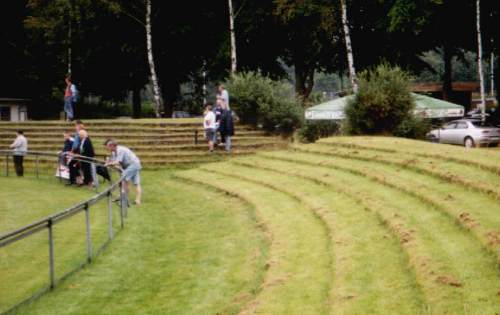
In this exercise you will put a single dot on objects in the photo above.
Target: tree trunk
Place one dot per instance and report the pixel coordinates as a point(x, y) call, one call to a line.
point(447, 78)
point(304, 80)
point(492, 75)
point(154, 78)
point(70, 35)
point(233, 37)
point(350, 57)
point(136, 102)
point(480, 60)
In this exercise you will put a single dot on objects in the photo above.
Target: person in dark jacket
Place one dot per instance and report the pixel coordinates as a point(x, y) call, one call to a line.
point(68, 145)
point(86, 150)
point(226, 126)
point(74, 165)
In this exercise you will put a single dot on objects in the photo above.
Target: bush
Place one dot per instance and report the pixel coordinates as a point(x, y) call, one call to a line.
point(259, 100)
point(382, 103)
point(313, 130)
point(413, 127)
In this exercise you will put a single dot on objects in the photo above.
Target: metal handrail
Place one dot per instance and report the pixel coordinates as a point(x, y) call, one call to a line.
point(49, 221)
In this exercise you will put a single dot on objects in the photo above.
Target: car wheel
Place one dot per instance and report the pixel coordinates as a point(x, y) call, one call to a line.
point(469, 142)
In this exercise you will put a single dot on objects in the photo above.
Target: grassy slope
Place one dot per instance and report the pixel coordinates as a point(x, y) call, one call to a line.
point(185, 250)
point(346, 226)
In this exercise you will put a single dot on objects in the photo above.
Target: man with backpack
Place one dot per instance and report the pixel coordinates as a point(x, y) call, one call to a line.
point(70, 98)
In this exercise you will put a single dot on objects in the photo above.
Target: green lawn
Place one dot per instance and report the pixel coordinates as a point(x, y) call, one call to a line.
point(350, 225)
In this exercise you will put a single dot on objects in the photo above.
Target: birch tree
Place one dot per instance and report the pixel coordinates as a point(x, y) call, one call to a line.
point(480, 60)
point(347, 36)
point(152, 70)
point(233, 38)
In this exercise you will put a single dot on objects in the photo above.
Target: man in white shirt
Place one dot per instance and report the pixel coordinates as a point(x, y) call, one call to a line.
point(20, 147)
point(129, 162)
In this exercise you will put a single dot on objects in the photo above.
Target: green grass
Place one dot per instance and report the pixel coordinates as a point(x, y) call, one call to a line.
point(350, 225)
point(187, 249)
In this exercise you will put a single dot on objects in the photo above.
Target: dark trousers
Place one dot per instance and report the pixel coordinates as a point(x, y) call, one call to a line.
point(73, 171)
point(87, 174)
point(18, 164)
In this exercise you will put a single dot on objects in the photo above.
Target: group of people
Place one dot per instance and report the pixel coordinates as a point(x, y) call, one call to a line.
point(218, 119)
point(77, 155)
point(122, 157)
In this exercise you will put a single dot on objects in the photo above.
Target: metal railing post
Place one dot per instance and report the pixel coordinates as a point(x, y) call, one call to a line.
point(52, 273)
point(196, 136)
point(7, 165)
point(122, 203)
point(110, 217)
point(36, 166)
point(89, 241)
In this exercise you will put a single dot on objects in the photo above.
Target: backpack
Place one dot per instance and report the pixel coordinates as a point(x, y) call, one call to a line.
point(75, 94)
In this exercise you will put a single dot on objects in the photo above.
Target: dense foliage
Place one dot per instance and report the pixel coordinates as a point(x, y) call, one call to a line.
point(383, 102)
point(259, 100)
point(313, 130)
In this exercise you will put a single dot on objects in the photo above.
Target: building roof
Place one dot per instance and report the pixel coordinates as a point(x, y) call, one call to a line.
point(425, 106)
point(13, 101)
point(438, 87)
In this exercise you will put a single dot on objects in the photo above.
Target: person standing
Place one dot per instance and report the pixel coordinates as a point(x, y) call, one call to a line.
point(86, 150)
point(226, 127)
point(19, 148)
point(69, 98)
point(209, 126)
point(223, 94)
point(130, 164)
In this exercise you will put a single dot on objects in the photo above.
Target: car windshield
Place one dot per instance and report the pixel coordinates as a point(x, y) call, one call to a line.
point(480, 124)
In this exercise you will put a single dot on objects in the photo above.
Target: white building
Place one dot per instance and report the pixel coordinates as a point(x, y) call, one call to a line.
point(13, 109)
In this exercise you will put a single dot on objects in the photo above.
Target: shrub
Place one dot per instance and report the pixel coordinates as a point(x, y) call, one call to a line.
point(382, 103)
point(313, 130)
point(413, 127)
point(259, 100)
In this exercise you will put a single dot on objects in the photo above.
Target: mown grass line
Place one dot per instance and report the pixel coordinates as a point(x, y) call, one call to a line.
point(452, 178)
point(449, 168)
point(295, 282)
point(406, 150)
point(260, 224)
point(449, 279)
point(387, 292)
point(222, 169)
point(484, 237)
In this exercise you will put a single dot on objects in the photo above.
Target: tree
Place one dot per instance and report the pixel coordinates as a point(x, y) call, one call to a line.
point(347, 36)
point(480, 59)
point(307, 28)
point(233, 37)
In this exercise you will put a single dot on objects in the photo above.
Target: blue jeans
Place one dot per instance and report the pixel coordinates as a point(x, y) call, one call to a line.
point(228, 143)
point(68, 107)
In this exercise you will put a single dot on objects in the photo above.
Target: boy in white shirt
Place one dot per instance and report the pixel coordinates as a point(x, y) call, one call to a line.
point(209, 126)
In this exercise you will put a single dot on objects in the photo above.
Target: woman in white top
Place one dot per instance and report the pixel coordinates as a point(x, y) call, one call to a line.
point(209, 126)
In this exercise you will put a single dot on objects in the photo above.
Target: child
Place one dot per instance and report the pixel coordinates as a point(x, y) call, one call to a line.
point(209, 126)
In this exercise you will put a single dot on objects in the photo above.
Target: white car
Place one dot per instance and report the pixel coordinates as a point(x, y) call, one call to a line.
point(466, 132)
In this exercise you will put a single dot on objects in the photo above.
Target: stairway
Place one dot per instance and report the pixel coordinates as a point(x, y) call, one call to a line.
point(156, 142)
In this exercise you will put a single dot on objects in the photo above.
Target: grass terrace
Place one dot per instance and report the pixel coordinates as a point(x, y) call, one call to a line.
point(349, 225)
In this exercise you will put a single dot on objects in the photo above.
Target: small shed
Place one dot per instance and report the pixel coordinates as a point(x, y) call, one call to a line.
point(13, 109)
point(461, 92)
point(425, 106)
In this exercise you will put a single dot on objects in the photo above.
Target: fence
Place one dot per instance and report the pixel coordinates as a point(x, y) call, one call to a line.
point(40, 162)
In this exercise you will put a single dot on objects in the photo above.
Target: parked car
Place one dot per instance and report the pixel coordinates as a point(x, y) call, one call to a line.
point(466, 132)
point(180, 114)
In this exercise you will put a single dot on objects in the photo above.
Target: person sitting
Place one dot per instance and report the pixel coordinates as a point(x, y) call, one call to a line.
point(73, 164)
point(68, 145)
point(86, 150)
